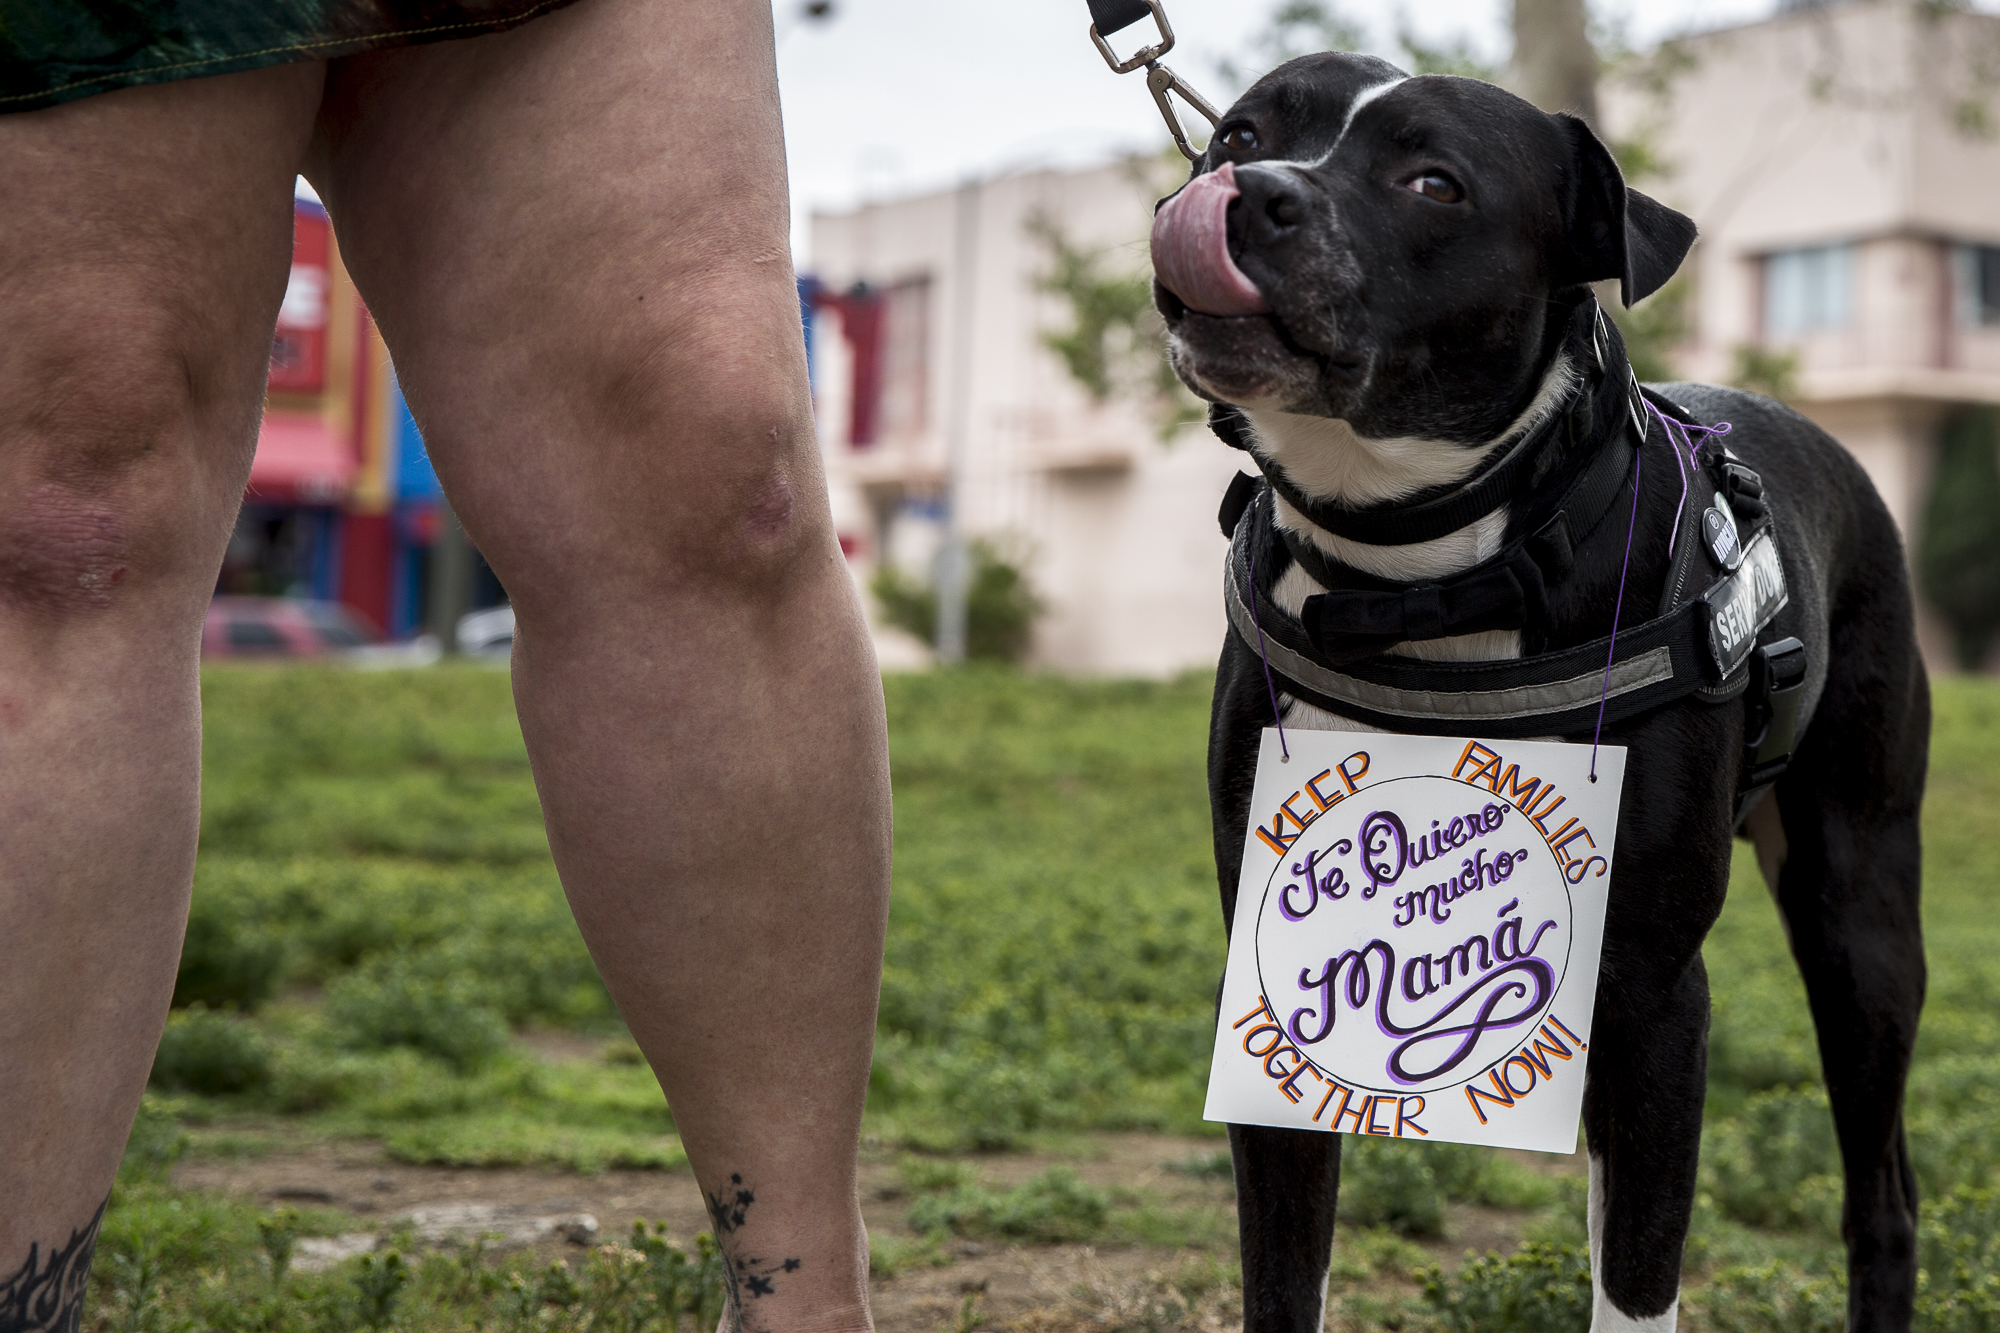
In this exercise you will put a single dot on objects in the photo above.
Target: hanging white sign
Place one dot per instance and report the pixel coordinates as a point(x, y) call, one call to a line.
point(1416, 940)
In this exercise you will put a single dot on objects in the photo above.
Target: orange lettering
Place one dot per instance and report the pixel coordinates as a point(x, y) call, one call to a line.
point(1567, 1033)
point(1501, 1095)
point(1488, 766)
point(1263, 1007)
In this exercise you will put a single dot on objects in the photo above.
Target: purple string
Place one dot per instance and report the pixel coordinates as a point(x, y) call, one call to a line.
point(1680, 435)
point(1616, 611)
point(1278, 717)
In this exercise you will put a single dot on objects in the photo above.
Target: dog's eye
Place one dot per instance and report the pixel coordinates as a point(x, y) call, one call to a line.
point(1241, 138)
point(1432, 185)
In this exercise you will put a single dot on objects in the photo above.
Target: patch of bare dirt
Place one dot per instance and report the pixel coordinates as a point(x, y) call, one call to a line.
point(1034, 1288)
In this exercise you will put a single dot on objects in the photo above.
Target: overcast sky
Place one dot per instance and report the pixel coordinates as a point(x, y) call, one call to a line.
point(892, 97)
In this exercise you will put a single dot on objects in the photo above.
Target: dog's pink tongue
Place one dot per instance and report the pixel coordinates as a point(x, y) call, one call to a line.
point(1191, 248)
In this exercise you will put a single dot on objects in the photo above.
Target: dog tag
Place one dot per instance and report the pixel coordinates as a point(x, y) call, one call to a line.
point(1415, 948)
point(1718, 525)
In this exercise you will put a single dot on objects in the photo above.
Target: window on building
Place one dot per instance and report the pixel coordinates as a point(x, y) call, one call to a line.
point(1978, 284)
point(888, 333)
point(906, 343)
point(1808, 289)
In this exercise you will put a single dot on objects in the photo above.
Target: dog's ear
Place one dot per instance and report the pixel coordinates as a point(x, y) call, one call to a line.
point(1615, 232)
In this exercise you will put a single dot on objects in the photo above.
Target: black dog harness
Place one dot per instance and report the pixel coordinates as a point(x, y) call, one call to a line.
point(1724, 586)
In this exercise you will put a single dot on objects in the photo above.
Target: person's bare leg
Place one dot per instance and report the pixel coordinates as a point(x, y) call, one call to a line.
point(144, 242)
point(574, 236)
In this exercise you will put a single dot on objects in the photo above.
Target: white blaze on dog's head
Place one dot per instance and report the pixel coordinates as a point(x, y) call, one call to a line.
point(1361, 99)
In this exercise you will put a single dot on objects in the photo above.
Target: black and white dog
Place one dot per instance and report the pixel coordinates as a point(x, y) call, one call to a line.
point(1381, 282)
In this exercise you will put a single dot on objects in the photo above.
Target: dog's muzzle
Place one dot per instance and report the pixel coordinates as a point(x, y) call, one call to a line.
point(1191, 248)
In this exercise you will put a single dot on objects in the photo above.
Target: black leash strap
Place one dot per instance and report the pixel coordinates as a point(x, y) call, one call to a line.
point(1111, 16)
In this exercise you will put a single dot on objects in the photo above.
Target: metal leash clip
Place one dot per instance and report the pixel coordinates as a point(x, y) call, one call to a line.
point(1159, 79)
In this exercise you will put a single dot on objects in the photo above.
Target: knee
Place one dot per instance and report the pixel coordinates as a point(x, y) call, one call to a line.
point(62, 551)
point(712, 487)
point(96, 439)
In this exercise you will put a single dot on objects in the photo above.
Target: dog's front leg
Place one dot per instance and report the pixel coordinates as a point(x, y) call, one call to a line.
point(1286, 1181)
point(1642, 1120)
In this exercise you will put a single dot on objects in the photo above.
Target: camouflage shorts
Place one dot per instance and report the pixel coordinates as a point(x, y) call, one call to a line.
point(57, 51)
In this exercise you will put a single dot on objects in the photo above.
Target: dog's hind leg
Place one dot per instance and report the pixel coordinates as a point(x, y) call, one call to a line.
point(1848, 889)
point(1286, 1181)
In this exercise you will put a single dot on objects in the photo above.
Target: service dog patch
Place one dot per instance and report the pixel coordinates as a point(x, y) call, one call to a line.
point(1416, 941)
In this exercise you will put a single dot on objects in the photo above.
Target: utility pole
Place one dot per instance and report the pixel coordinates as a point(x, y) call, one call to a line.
point(451, 578)
point(954, 567)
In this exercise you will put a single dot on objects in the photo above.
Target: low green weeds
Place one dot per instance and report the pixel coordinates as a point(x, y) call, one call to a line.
point(1772, 1297)
point(1056, 1206)
point(1407, 1186)
point(243, 1282)
point(212, 1053)
point(376, 917)
point(1537, 1289)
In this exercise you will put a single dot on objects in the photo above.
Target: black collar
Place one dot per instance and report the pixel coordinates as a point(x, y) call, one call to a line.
point(1590, 410)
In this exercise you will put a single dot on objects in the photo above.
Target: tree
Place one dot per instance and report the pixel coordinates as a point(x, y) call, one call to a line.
point(1454, 55)
point(1302, 27)
point(1295, 28)
point(1765, 370)
point(1114, 344)
point(1653, 328)
point(1000, 606)
point(1555, 66)
point(1958, 553)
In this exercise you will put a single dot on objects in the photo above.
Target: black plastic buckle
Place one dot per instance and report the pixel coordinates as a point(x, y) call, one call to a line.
point(1242, 490)
point(1746, 490)
point(1777, 680)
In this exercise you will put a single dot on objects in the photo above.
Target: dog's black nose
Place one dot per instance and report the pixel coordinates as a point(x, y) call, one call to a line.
point(1273, 206)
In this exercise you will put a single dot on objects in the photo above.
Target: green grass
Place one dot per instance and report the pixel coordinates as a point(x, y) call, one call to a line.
point(375, 912)
point(375, 894)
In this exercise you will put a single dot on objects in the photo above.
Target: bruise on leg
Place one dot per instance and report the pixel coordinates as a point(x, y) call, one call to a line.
point(769, 515)
point(61, 552)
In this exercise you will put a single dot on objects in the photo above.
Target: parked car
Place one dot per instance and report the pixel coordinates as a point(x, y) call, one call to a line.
point(488, 633)
point(282, 627)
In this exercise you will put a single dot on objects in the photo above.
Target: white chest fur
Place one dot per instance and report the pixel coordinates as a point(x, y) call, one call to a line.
point(1327, 460)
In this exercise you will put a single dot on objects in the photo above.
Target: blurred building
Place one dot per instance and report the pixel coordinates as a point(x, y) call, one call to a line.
point(1843, 163)
point(1114, 526)
point(343, 504)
